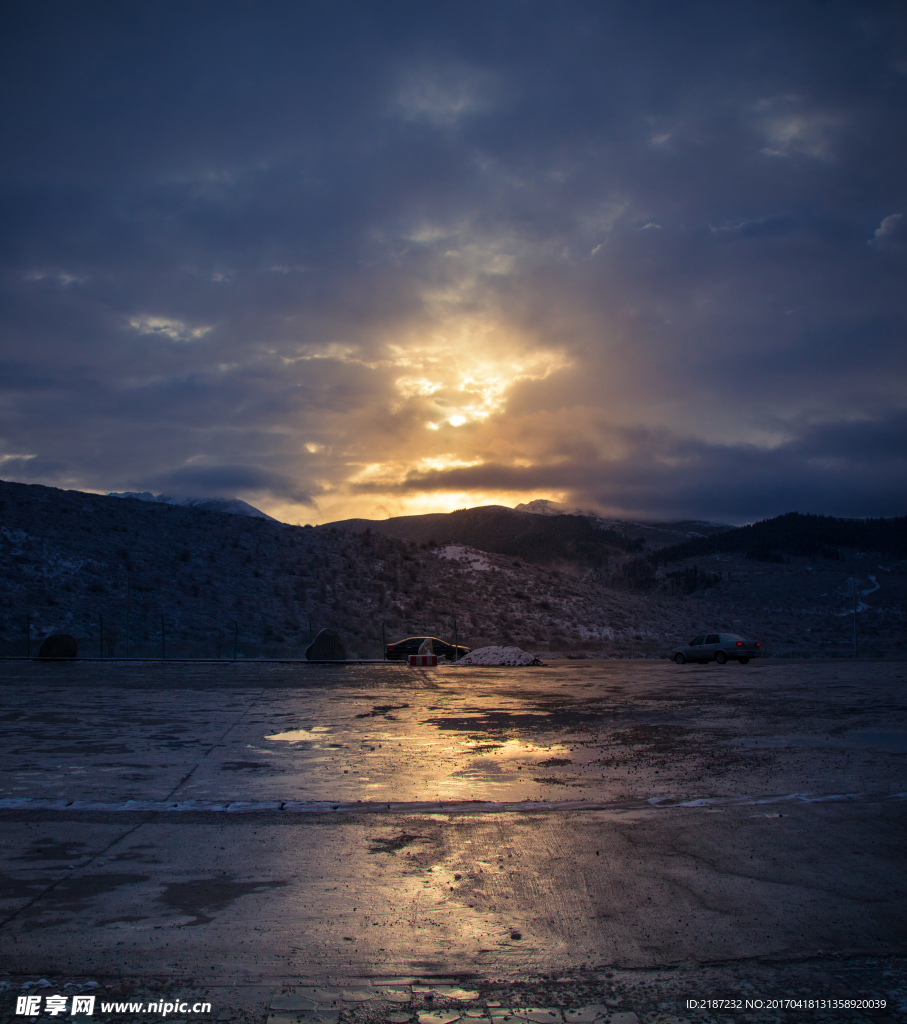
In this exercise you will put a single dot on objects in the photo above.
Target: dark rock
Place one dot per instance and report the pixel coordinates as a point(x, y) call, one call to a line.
point(327, 646)
point(59, 645)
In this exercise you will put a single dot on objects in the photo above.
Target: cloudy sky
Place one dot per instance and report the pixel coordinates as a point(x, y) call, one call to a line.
point(368, 259)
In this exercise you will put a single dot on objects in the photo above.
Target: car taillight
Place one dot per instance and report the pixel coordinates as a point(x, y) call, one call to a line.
point(758, 644)
point(739, 643)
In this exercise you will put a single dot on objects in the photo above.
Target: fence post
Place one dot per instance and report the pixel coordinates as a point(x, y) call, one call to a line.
point(28, 636)
point(456, 644)
point(163, 640)
point(127, 618)
point(101, 617)
point(383, 643)
point(853, 581)
point(235, 637)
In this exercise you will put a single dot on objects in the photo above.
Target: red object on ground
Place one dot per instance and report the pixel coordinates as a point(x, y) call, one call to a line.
point(415, 660)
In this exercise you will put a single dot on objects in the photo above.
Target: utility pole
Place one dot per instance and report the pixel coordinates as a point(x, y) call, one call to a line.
point(127, 617)
point(456, 644)
point(853, 582)
point(383, 643)
point(235, 638)
point(163, 640)
point(101, 617)
point(28, 636)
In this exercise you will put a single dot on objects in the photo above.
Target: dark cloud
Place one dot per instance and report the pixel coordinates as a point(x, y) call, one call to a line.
point(759, 228)
point(647, 255)
point(848, 469)
point(224, 481)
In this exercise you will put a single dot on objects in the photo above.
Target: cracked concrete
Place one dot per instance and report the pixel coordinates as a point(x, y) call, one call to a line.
point(644, 835)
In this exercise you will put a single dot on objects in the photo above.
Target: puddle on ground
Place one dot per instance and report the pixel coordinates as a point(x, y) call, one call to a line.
point(298, 735)
point(203, 897)
point(51, 849)
point(512, 748)
point(73, 895)
point(890, 742)
point(884, 741)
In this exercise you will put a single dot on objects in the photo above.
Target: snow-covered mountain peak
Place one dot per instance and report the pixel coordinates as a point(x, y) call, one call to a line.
point(231, 506)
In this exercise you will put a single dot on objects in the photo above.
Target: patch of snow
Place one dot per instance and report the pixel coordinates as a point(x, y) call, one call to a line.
point(468, 557)
point(499, 656)
point(861, 607)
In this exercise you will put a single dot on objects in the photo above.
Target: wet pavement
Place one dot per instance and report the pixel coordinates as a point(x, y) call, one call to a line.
point(559, 837)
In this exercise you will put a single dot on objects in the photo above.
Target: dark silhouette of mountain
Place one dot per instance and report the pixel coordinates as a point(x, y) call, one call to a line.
point(196, 580)
point(540, 539)
point(795, 534)
point(654, 534)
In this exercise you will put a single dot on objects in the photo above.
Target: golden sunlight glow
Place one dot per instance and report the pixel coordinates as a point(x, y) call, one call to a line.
point(334, 507)
point(440, 406)
point(393, 471)
point(466, 369)
point(445, 462)
point(410, 386)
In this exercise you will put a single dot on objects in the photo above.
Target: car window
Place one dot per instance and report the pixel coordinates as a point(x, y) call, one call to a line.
point(712, 638)
point(698, 640)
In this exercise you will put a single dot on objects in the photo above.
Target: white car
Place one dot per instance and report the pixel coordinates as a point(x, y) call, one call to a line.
point(720, 647)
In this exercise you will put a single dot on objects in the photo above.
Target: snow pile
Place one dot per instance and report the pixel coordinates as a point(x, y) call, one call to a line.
point(499, 656)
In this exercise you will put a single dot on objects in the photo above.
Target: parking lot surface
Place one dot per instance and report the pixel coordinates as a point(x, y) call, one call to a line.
point(601, 838)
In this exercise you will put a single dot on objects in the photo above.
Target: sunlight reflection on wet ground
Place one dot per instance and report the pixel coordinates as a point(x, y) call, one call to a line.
point(637, 813)
point(601, 732)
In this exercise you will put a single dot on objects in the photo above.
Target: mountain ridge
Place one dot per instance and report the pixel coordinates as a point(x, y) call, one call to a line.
point(543, 540)
point(229, 506)
point(200, 582)
point(541, 531)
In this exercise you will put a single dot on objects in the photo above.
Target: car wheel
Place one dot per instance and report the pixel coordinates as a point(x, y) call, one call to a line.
point(720, 657)
point(680, 659)
point(744, 661)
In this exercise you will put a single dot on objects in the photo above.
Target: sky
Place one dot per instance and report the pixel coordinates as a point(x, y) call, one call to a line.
point(389, 257)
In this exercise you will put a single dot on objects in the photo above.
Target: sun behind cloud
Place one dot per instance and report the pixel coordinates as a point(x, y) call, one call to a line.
point(451, 391)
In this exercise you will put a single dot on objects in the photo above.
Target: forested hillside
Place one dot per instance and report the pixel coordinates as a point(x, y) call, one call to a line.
point(195, 580)
point(543, 540)
point(798, 535)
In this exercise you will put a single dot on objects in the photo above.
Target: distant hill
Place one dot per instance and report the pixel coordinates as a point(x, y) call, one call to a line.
point(543, 532)
point(198, 581)
point(231, 506)
point(796, 534)
point(541, 539)
point(655, 534)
